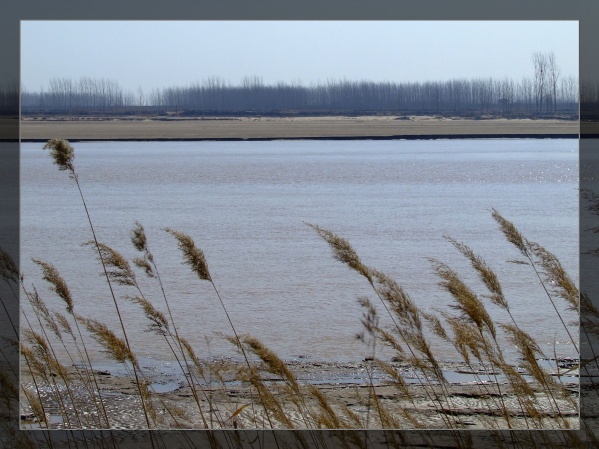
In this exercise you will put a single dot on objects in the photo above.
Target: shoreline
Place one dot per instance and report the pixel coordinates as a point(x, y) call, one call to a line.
point(36, 129)
point(271, 139)
point(345, 386)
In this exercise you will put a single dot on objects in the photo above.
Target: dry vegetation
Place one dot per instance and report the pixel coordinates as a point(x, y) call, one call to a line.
point(263, 391)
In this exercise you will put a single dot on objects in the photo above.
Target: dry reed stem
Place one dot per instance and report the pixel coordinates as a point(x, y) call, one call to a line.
point(148, 264)
point(60, 287)
point(411, 331)
point(555, 275)
point(36, 407)
point(528, 249)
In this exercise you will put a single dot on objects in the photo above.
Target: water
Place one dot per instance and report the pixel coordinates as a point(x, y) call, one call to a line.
point(246, 205)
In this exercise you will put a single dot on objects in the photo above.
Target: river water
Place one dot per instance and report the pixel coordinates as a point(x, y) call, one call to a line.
point(246, 205)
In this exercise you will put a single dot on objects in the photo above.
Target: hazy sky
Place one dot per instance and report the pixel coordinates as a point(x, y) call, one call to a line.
point(156, 54)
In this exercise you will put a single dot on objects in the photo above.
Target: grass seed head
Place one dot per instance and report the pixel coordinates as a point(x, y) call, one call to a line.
point(343, 251)
point(511, 233)
point(59, 285)
point(194, 256)
point(157, 318)
point(138, 237)
point(485, 273)
point(556, 276)
point(117, 267)
point(62, 152)
point(145, 265)
point(466, 300)
point(116, 347)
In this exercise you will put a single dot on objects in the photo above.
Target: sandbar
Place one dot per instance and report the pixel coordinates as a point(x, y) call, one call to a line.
point(269, 128)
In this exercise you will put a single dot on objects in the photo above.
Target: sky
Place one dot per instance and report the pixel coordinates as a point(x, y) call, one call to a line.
point(158, 54)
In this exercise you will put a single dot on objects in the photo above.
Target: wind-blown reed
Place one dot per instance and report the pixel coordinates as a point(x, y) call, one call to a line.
point(276, 397)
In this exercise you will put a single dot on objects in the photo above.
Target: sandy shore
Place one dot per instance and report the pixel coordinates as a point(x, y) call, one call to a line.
point(473, 399)
point(351, 127)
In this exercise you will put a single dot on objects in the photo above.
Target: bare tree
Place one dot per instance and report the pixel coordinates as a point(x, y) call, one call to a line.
point(554, 72)
point(540, 63)
point(526, 93)
point(569, 92)
point(140, 97)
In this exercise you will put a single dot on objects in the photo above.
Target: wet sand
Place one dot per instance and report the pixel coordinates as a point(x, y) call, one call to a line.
point(473, 399)
point(267, 128)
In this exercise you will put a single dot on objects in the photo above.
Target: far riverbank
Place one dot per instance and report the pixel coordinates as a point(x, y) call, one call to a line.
point(273, 128)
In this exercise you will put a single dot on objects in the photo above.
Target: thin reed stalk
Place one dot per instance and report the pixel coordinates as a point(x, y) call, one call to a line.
point(404, 311)
point(60, 287)
point(529, 250)
point(63, 154)
point(497, 297)
point(194, 257)
point(150, 267)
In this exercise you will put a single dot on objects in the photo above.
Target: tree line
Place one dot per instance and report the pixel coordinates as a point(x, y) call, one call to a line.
point(545, 92)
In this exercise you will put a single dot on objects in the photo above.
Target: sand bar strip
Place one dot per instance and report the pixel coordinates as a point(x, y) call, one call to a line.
point(248, 128)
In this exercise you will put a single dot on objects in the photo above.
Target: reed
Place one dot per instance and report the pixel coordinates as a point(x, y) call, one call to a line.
point(270, 395)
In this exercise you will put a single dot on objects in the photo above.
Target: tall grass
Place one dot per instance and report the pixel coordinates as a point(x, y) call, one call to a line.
point(267, 393)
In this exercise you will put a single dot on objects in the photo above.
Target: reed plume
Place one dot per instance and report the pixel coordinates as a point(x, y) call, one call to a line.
point(511, 233)
point(486, 274)
point(194, 256)
point(467, 301)
point(549, 262)
point(556, 276)
point(116, 348)
point(118, 268)
point(62, 153)
point(60, 287)
point(343, 251)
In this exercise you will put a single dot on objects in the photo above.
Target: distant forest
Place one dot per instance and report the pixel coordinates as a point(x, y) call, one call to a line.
point(478, 96)
point(545, 93)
